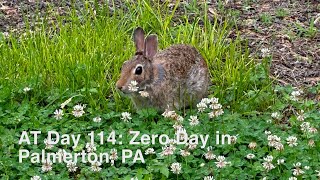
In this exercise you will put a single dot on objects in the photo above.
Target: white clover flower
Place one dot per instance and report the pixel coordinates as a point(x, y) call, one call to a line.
point(72, 166)
point(306, 167)
point(280, 161)
point(215, 106)
point(177, 125)
point(191, 146)
point(265, 52)
point(35, 178)
point(173, 115)
point(46, 166)
point(179, 119)
point(202, 106)
point(144, 93)
point(300, 115)
point(26, 89)
point(214, 100)
point(295, 95)
point(296, 165)
point(209, 155)
point(97, 119)
point(292, 141)
point(218, 113)
point(305, 126)
point(78, 110)
point(65, 103)
point(126, 117)
point(233, 139)
point(113, 154)
point(208, 178)
point(297, 171)
point(292, 178)
point(206, 100)
point(168, 114)
point(202, 164)
point(48, 146)
point(268, 166)
point(252, 145)
point(58, 113)
point(311, 143)
point(193, 120)
point(267, 132)
point(149, 151)
point(135, 178)
point(211, 114)
point(133, 86)
point(275, 115)
point(95, 166)
point(168, 150)
point(250, 156)
point(184, 153)
point(312, 130)
point(273, 140)
point(91, 147)
point(318, 171)
point(268, 158)
point(176, 168)
point(221, 163)
point(279, 146)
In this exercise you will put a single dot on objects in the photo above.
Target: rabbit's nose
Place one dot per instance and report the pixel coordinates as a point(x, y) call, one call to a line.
point(119, 87)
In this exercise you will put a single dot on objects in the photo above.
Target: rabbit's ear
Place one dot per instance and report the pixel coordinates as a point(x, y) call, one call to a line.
point(138, 38)
point(151, 46)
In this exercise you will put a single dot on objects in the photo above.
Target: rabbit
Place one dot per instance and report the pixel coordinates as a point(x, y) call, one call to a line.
point(171, 79)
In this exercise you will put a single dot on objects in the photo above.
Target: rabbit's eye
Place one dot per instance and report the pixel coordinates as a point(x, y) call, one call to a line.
point(138, 70)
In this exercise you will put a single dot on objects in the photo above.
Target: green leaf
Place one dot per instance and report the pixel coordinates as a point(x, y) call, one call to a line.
point(164, 170)
point(79, 148)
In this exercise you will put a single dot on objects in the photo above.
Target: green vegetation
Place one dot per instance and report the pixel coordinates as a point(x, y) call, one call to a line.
point(266, 19)
point(81, 60)
point(281, 12)
point(310, 31)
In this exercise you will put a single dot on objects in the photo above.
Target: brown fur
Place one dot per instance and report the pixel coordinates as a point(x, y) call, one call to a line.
point(174, 78)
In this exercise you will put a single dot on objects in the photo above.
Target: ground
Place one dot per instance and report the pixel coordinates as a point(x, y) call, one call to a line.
point(285, 28)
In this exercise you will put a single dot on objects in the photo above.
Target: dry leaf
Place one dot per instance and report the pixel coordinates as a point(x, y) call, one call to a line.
point(8, 10)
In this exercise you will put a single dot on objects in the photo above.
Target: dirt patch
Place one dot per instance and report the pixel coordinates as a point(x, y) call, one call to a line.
point(287, 31)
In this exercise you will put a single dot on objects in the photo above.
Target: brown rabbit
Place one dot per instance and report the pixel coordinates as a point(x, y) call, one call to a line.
point(171, 79)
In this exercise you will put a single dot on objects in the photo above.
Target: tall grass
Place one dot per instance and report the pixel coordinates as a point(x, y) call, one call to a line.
point(85, 55)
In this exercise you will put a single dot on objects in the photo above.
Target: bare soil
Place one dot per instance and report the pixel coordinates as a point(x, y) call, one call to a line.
point(288, 30)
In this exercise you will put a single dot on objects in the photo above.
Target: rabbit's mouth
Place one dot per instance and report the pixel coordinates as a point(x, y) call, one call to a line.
point(128, 92)
point(142, 89)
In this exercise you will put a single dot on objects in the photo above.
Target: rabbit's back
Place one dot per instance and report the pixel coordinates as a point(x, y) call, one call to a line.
point(185, 76)
point(179, 60)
